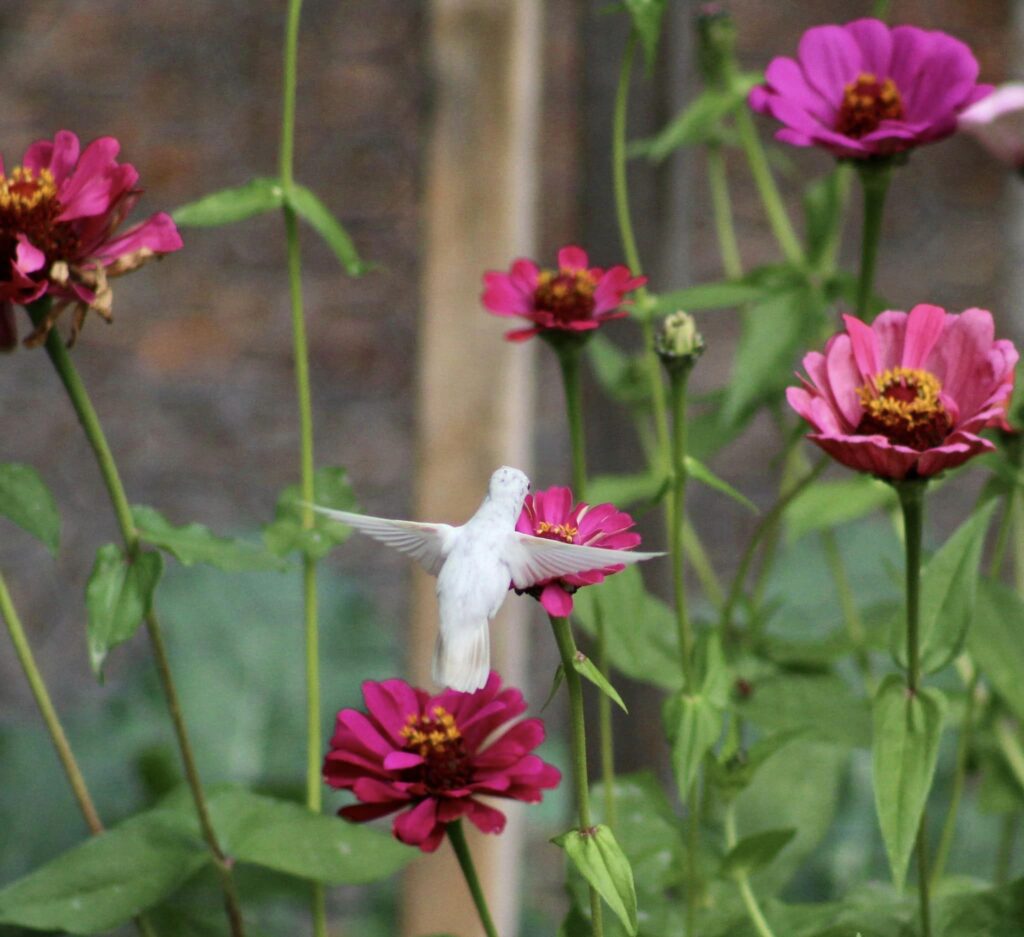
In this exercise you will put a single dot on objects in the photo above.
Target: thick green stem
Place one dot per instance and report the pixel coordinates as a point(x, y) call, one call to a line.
point(684, 627)
point(112, 480)
point(851, 615)
point(457, 837)
point(911, 495)
point(286, 169)
point(721, 207)
point(778, 218)
point(578, 735)
point(875, 179)
point(963, 751)
point(754, 912)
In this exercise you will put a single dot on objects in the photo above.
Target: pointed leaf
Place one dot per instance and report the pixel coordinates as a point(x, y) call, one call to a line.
point(693, 725)
point(995, 641)
point(586, 668)
point(25, 499)
point(732, 772)
point(601, 861)
point(194, 543)
point(754, 852)
point(118, 596)
point(825, 505)
point(712, 670)
point(556, 682)
point(905, 749)
point(722, 294)
point(108, 879)
point(312, 210)
point(640, 488)
point(823, 210)
point(622, 376)
point(948, 589)
point(255, 197)
point(698, 470)
point(286, 533)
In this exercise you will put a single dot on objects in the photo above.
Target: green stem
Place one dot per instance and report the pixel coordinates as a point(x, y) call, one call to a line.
point(875, 179)
point(1004, 855)
point(567, 651)
point(457, 837)
point(683, 626)
point(778, 218)
point(46, 709)
point(911, 495)
point(754, 912)
point(851, 615)
point(721, 206)
point(698, 559)
point(112, 480)
point(963, 751)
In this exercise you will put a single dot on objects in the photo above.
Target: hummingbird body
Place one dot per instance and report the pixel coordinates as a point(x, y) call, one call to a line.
point(475, 565)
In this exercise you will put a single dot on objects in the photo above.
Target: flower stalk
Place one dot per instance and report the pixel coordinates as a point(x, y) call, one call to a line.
point(567, 651)
point(87, 416)
point(457, 837)
point(750, 901)
point(875, 176)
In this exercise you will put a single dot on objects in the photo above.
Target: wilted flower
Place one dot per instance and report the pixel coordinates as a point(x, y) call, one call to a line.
point(550, 514)
point(59, 212)
point(906, 396)
point(864, 90)
point(432, 757)
point(574, 298)
point(997, 121)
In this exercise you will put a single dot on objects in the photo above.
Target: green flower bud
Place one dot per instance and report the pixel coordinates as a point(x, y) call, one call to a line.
point(678, 343)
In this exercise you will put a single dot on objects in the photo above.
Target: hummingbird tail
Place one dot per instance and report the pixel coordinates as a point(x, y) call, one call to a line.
point(462, 657)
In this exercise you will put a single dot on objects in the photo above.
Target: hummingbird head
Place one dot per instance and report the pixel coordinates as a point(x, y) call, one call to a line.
point(509, 485)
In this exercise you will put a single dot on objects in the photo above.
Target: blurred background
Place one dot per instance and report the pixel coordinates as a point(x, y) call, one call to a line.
point(195, 386)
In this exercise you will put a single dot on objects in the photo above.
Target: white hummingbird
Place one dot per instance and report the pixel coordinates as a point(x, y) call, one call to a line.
point(474, 565)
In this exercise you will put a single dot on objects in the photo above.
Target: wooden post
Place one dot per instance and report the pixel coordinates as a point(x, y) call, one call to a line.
point(475, 396)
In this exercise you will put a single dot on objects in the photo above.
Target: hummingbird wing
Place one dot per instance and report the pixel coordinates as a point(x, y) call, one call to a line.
point(428, 544)
point(534, 559)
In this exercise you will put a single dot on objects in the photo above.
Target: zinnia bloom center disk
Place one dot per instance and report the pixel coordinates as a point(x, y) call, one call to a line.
point(866, 103)
point(564, 532)
point(29, 206)
point(903, 404)
point(567, 294)
point(437, 740)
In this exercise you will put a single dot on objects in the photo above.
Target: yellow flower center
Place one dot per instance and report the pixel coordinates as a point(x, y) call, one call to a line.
point(29, 206)
point(426, 735)
point(866, 103)
point(566, 294)
point(564, 532)
point(904, 405)
point(24, 191)
point(437, 740)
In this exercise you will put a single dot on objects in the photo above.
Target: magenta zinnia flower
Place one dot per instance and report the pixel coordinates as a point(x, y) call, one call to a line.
point(997, 122)
point(432, 757)
point(59, 211)
point(574, 298)
point(550, 514)
point(864, 90)
point(906, 396)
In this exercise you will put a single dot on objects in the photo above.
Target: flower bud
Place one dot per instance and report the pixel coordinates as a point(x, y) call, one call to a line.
point(678, 343)
point(716, 44)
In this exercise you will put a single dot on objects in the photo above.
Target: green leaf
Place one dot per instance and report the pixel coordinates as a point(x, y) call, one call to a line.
point(289, 838)
point(699, 471)
point(754, 852)
point(312, 210)
point(994, 641)
point(118, 596)
point(286, 533)
point(948, 590)
point(556, 682)
point(623, 377)
point(645, 488)
point(25, 499)
point(255, 197)
point(586, 668)
point(733, 772)
point(640, 628)
point(108, 879)
point(601, 861)
point(906, 747)
point(647, 16)
point(723, 294)
point(823, 210)
point(996, 912)
point(825, 505)
point(701, 121)
point(693, 725)
point(194, 543)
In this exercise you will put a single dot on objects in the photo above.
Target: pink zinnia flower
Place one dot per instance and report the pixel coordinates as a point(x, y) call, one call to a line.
point(59, 211)
point(550, 514)
point(906, 396)
point(432, 757)
point(574, 298)
point(997, 122)
point(864, 90)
